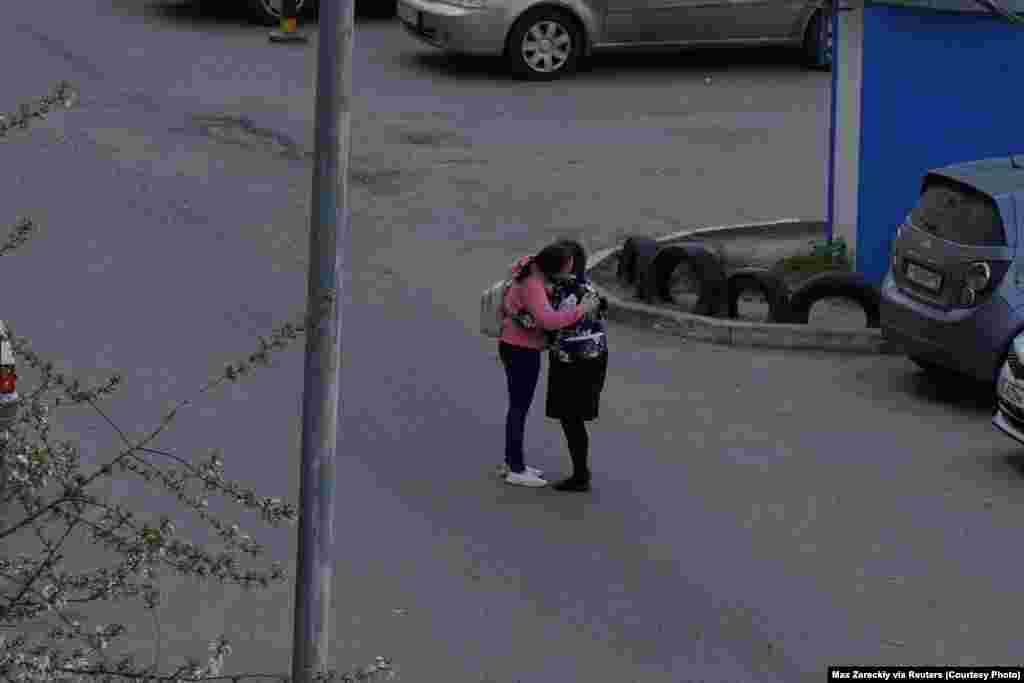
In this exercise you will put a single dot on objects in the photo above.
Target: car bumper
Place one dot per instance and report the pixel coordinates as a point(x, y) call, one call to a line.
point(969, 341)
point(1009, 415)
point(1012, 429)
point(454, 29)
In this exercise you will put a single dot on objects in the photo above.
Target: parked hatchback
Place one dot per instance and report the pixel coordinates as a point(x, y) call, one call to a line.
point(541, 39)
point(953, 296)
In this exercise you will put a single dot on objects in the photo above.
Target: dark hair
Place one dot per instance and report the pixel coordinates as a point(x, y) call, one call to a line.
point(579, 258)
point(550, 260)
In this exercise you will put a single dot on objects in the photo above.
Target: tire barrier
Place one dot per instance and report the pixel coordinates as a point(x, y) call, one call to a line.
point(771, 286)
point(636, 249)
point(835, 284)
point(706, 265)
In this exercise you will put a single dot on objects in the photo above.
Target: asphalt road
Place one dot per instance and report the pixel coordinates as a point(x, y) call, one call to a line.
point(757, 515)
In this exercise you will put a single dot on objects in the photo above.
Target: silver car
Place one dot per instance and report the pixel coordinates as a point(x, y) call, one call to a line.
point(545, 39)
point(1009, 415)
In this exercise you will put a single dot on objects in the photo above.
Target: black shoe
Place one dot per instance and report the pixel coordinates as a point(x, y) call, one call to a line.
point(572, 484)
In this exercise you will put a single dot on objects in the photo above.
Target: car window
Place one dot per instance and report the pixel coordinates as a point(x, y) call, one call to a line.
point(957, 214)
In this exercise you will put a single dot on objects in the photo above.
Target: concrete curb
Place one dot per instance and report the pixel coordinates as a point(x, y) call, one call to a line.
point(735, 332)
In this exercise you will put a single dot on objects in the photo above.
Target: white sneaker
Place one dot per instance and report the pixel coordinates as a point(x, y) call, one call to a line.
point(503, 470)
point(525, 479)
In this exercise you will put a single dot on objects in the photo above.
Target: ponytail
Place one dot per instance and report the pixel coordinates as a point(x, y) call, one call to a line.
point(525, 268)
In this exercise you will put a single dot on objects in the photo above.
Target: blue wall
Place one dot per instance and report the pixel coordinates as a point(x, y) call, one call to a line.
point(938, 88)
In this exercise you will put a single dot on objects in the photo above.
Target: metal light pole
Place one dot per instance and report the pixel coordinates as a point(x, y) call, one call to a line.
point(288, 31)
point(329, 228)
point(830, 220)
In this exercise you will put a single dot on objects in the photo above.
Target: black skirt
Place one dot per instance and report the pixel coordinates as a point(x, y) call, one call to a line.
point(574, 389)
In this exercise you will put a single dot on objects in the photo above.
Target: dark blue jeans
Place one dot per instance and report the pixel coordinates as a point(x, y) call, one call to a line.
point(522, 368)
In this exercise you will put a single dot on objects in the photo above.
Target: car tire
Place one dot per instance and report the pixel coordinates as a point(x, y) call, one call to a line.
point(268, 12)
point(768, 283)
point(706, 264)
point(637, 249)
point(835, 284)
point(544, 23)
point(819, 43)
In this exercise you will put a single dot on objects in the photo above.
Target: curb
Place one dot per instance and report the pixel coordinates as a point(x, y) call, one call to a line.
point(736, 332)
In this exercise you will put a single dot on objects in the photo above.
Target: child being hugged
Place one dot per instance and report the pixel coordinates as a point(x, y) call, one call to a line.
point(578, 356)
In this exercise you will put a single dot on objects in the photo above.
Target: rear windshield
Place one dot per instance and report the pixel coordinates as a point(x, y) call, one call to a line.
point(958, 214)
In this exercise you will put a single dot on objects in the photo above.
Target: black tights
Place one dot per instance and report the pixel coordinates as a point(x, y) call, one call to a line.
point(579, 443)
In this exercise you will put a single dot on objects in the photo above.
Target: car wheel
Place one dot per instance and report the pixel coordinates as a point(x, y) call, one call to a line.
point(268, 12)
point(544, 45)
point(769, 284)
point(819, 43)
point(708, 270)
point(839, 284)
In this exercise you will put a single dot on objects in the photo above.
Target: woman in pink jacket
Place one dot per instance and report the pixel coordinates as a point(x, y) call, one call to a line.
point(527, 315)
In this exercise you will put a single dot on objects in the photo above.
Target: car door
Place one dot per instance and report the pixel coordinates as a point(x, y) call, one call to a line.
point(764, 20)
point(664, 21)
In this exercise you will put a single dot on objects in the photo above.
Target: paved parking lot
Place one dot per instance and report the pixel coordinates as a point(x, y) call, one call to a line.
point(757, 514)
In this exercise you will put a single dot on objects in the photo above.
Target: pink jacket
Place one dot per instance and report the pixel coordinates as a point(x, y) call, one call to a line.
point(530, 296)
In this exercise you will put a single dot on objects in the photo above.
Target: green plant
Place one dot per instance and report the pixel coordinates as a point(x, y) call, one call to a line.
point(48, 496)
point(834, 250)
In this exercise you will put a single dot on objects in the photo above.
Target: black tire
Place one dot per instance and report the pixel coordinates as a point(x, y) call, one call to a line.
point(768, 283)
point(635, 250)
point(819, 43)
point(836, 284)
point(554, 24)
point(713, 283)
point(263, 12)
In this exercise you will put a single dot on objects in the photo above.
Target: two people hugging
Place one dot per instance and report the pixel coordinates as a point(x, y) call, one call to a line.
point(551, 305)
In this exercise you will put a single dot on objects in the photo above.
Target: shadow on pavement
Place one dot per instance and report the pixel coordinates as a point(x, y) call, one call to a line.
point(216, 14)
point(1015, 461)
point(614, 64)
point(195, 13)
point(966, 394)
point(770, 58)
point(460, 66)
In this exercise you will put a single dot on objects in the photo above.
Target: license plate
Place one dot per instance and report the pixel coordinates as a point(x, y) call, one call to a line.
point(408, 14)
point(923, 277)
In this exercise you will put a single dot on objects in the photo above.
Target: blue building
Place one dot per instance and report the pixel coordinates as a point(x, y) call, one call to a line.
point(918, 84)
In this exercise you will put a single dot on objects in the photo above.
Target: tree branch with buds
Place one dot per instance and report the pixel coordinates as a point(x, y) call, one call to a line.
point(48, 495)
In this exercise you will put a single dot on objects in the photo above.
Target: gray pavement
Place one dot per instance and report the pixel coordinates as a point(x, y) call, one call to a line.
point(757, 514)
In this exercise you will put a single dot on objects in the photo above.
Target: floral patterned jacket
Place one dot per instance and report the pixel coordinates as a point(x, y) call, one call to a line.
point(586, 339)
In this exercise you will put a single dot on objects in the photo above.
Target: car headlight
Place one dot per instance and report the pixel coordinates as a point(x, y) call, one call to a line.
point(979, 275)
point(1018, 346)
